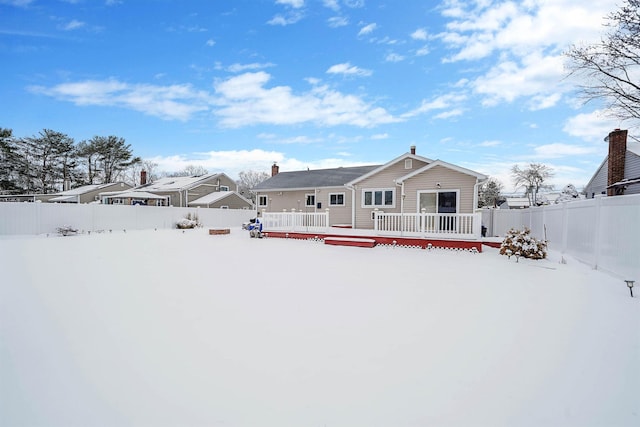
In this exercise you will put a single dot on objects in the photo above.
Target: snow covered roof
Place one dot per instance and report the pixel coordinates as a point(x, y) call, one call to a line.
point(134, 195)
point(88, 188)
point(176, 183)
point(216, 196)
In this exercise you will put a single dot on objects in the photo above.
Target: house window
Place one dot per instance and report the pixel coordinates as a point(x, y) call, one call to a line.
point(310, 200)
point(408, 163)
point(336, 199)
point(224, 188)
point(262, 200)
point(224, 207)
point(374, 198)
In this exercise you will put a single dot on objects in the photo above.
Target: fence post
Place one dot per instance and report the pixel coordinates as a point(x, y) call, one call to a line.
point(600, 228)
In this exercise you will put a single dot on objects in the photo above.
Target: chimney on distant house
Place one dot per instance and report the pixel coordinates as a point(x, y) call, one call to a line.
point(413, 149)
point(617, 153)
point(143, 177)
point(275, 169)
point(66, 185)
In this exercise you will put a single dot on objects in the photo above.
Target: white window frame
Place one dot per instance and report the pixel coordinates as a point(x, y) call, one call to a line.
point(224, 188)
point(408, 163)
point(224, 207)
point(456, 190)
point(310, 196)
point(375, 190)
point(259, 198)
point(337, 194)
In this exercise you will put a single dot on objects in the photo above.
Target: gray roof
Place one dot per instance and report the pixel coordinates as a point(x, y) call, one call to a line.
point(335, 177)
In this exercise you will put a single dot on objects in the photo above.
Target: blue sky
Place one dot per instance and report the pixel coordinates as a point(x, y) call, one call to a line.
point(238, 84)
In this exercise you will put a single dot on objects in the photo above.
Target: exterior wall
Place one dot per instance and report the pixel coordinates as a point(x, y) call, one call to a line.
point(383, 179)
point(287, 200)
point(598, 184)
point(632, 170)
point(232, 202)
point(449, 180)
point(93, 196)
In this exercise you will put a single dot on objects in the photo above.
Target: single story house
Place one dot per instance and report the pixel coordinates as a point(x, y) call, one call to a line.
point(173, 191)
point(222, 200)
point(407, 184)
point(619, 172)
point(84, 194)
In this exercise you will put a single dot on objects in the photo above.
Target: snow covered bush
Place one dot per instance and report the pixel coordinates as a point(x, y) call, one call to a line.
point(190, 221)
point(67, 230)
point(521, 244)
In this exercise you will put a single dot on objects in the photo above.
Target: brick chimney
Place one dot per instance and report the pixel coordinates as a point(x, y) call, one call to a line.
point(143, 177)
point(413, 149)
point(275, 169)
point(617, 152)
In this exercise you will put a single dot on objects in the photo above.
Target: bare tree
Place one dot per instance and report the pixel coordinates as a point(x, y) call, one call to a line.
point(612, 66)
point(532, 178)
point(190, 170)
point(249, 179)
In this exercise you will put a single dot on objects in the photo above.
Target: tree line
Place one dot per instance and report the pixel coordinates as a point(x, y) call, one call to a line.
point(51, 161)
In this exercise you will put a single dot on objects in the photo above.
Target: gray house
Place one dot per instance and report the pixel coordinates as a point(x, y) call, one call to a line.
point(85, 194)
point(173, 191)
point(619, 172)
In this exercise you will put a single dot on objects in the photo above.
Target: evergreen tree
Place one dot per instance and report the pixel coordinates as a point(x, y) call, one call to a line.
point(8, 162)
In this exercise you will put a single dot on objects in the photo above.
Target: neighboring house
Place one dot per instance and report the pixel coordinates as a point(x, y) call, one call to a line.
point(173, 191)
point(223, 200)
point(619, 172)
point(407, 184)
point(84, 194)
point(515, 203)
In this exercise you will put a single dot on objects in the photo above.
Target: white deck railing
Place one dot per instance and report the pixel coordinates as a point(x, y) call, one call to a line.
point(295, 221)
point(450, 226)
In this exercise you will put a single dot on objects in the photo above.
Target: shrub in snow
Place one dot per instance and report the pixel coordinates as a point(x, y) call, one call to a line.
point(521, 244)
point(190, 221)
point(67, 230)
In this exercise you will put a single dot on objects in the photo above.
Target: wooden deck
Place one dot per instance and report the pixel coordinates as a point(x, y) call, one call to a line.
point(409, 242)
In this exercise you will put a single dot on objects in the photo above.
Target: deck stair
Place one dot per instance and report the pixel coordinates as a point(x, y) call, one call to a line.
point(350, 241)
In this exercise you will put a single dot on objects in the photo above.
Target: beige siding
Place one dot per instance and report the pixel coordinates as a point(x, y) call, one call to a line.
point(295, 199)
point(448, 179)
point(92, 196)
point(384, 179)
point(232, 202)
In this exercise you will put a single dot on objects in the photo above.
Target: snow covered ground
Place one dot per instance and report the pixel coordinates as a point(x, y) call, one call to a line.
point(164, 328)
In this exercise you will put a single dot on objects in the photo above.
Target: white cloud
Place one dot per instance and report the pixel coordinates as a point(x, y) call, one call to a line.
point(441, 102)
point(331, 4)
point(211, 42)
point(244, 100)
point(290, 18)
point(380, 136)
point(238, 68)
point(537, 76)
point(593, 126)
point(73, 25)
point(348, 69)
point(456, 112)
point(423, 51)
point(367, 29)
point(292, 3)
point(337, 21)
point(490, 143)
point(18, 3)
point(556, 150)
point(394, 57)
point(419, 34)
point(525, 41)
point(174, 102)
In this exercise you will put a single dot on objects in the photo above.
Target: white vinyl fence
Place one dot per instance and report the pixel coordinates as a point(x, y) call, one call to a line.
point(42, 218)
point(296, 221)
point(603, 232)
